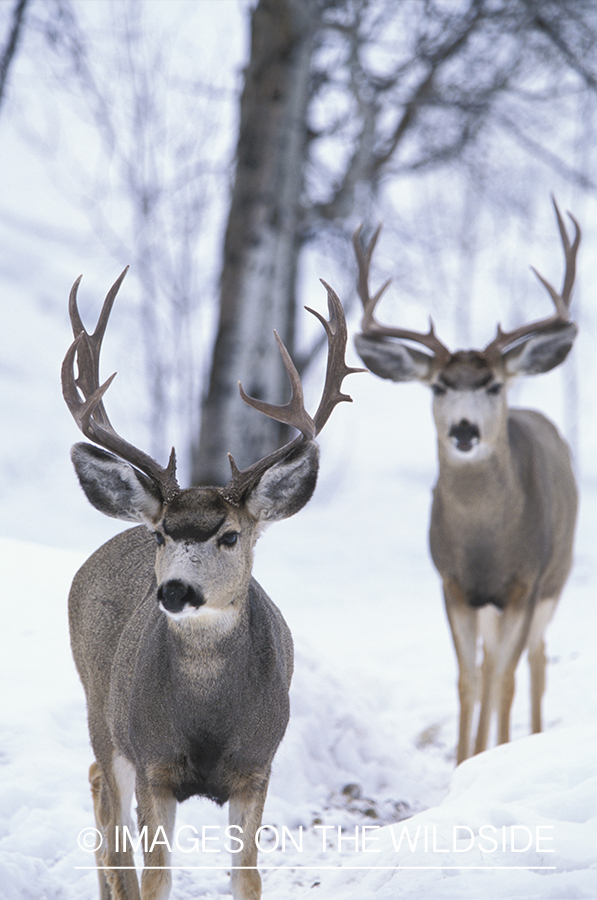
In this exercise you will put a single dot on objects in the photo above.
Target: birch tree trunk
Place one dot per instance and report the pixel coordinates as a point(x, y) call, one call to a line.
point(262, 240)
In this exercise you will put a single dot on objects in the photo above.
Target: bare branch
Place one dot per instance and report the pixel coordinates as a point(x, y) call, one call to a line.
point(10, 49)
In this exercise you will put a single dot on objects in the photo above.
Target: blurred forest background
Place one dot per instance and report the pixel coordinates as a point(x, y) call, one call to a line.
point(227, 149)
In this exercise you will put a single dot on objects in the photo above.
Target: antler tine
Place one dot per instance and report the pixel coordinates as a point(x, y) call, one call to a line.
point(89, 413)
point(89, 349)
point(291, 413)
point(369, 325)
point(337, 370)
point(364, 261)
point(504, 339)
point(294, 413)
point(570, 251)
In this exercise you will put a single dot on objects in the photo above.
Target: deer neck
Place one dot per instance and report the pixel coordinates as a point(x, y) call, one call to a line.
point(209, 634)
point(474, 483)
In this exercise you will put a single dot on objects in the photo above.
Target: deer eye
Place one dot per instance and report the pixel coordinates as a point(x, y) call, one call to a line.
point(229, 539)
point(438, 390)
point(159, 537)
point(495, 389)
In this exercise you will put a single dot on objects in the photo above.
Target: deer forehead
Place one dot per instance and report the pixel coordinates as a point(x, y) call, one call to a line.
point(468, 370)
point(197, 514)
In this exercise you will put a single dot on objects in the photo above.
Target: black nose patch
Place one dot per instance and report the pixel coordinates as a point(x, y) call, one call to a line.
point(175, 595)
point(465, 435)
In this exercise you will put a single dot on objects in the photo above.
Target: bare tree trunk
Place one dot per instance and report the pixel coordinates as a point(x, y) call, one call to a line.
point(262, 241)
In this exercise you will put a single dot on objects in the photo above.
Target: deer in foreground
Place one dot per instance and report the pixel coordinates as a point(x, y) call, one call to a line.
point(185, 661)
point(504, 505)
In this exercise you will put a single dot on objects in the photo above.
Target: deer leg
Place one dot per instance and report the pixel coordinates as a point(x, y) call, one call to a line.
point(101, 809)
point(514, 632)
point(116, 869)
point(463, 624)
point(156, 814)
point(487, 619)
point(245, 810)
point(541, 618)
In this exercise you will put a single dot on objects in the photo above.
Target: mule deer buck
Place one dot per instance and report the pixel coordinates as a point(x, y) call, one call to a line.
point(185, 661)
point(504, 505)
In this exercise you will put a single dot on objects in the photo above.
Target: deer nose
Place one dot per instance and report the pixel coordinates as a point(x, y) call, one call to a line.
point(465, 434)
point(174, 596)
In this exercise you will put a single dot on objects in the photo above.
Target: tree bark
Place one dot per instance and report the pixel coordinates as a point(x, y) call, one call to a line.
point(262, 240)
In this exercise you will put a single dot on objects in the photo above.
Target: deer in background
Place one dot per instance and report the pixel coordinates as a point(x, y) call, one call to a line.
point(185, 661)
point(504, 505)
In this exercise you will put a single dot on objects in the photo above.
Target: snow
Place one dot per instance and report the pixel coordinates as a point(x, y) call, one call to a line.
point(370, 745)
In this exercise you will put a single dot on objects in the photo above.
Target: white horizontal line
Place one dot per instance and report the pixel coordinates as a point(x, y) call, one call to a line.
point(304, 868)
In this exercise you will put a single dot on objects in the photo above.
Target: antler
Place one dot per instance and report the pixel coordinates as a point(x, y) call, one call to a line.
point(294, 412)
point(337, 370)
point(89, 413)
point(369, 325)
point(504, 339)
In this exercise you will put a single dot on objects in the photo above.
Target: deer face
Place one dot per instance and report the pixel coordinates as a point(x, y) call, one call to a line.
point(469, 386)
point(204, 554)
point(469, 407)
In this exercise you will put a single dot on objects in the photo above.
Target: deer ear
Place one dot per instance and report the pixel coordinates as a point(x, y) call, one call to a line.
point(287, 486)
point(540, 352)
point(115, 487)
point(393, 359)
